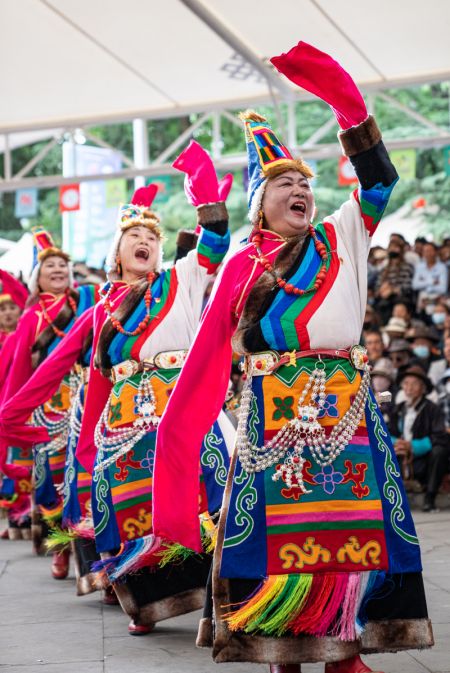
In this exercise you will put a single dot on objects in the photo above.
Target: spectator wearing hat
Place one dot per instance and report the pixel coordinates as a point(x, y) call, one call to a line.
point(417, 427)
point(382, 379)
point(395, 329)
point(430, 275)
point(424, 342)
point(382, 376)
point(404, 309)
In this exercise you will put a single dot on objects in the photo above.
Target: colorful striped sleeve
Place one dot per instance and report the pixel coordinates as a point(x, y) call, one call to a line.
point(211, 249)
point(372, 204)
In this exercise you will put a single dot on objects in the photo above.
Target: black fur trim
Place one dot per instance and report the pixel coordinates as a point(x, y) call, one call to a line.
point(107, 334)
point(214, 217)
point(40, 347)
point(86, 346)
point(360, 138)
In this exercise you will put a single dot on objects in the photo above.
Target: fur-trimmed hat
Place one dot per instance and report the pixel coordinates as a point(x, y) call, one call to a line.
point(44, 247)
point(130, 215)
point(267, 158)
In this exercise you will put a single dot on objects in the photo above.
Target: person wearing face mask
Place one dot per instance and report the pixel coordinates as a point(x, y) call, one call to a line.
point(143, 328)
point(419, 435)
point(53, 307)
point(287, 587)
point(394, 281)
point(424, 341)
point(441, 317)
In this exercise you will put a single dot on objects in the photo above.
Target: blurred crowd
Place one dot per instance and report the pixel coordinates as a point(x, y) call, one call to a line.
point(407, 336)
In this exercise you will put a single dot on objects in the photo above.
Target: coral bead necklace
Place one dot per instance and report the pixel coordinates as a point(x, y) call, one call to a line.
point(72, 303)
point(289, 288)
point(147, 300)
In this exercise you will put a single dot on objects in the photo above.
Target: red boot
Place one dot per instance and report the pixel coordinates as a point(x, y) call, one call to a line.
point(352, 665)
point(109, 597)
point(285, 668)
point(139, 629)
point(60, 564)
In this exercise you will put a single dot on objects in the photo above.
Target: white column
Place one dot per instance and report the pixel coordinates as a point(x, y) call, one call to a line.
point(140, 149)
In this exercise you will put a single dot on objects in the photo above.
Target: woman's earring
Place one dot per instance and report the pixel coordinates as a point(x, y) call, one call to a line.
point(119, 266)
point(261, 219)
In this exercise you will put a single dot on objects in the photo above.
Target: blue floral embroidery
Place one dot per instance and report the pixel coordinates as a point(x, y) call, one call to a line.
point(329, 478)
point(149, 460)
point(329, 407)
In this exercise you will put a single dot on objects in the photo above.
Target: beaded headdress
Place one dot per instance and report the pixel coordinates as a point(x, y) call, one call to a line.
point(137, 212)
point(43, 248)
point(267, 158)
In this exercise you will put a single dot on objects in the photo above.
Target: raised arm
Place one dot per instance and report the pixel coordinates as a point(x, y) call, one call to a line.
point(360, 136)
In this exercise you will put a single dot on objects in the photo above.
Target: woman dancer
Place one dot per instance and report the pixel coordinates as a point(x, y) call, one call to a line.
point(142, 330)
point(315, 522)
point(54, 307)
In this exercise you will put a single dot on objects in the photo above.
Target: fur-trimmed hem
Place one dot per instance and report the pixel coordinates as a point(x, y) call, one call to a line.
point(158, 611)
point(392, 635)
point(205, 633)
point(87, 584)
point(14, 533)
point(384, 636)
point(304, 649)
point(37, 538)
point(210, 213)
point(360, 138)
point(172, 606)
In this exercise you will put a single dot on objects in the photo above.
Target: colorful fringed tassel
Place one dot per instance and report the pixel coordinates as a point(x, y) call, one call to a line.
point(58, 539)
point(272, 605)
point(51, 515)
point(375, 581)
point(83, 529)
point(345, 627)
point(174, 553)
point(319, 605)
point(133, 555)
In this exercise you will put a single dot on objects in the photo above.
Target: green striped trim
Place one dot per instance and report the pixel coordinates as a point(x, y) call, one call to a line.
point(324, 525)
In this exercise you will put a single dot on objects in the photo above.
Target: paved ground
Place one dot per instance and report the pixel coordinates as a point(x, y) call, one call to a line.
point(45, 627)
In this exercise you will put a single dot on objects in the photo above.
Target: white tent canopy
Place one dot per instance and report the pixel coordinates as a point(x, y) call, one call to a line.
point(75, 62)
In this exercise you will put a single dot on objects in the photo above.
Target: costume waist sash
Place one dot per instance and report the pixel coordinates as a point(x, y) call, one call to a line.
point(266, 362)
point(164, 360)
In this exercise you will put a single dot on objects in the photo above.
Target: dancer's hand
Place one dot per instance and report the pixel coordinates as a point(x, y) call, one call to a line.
point(201, 184)
point(317, 72)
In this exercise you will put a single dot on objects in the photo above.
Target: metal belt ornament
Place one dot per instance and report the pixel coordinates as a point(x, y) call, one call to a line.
point(121, 440)
point(304, 430)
